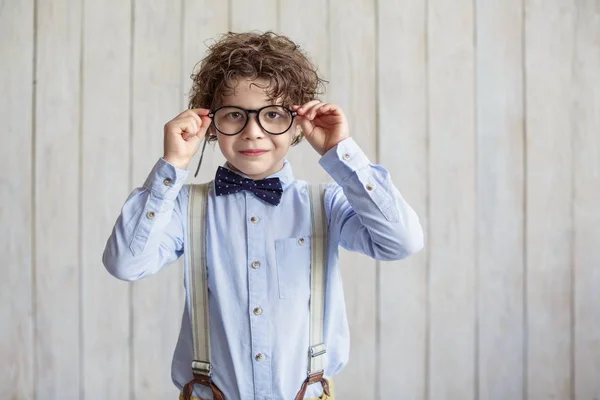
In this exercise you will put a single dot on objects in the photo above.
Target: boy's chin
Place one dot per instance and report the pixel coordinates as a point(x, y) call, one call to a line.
point(256, 170)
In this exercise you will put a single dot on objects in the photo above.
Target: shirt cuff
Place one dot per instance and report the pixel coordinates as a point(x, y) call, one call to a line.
point(166, 180)
point(344, 159)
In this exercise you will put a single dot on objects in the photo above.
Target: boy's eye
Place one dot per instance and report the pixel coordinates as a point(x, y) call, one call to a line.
point(273, 115)
point(234, 115)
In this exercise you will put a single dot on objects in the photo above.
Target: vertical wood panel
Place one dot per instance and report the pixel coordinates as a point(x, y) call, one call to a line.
point(586, 206)
point(476, 346)
point(353, 87)
point(158, 300)
point(306, 23)
point(57, 195)
point(16, 103)
point(105, 184)
point(402, 148)
point(452, 200)
point(253, 15)
point(549, 33)
point(204, 22)
point(500, 199)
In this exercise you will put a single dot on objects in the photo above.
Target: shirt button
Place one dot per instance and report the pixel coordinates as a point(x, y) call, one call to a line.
point(370, 186)
point(257, 311)
point(259, 357)
point(301, 241)
point(346, 156)
point(254, 220)
point(150, 215)
point(255, 264)
point(168, 181)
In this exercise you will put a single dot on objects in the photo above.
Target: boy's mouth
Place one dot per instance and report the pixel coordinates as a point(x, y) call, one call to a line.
point(253, 153)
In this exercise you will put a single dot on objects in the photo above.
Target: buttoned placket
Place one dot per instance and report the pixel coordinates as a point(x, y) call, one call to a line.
point(257, 295)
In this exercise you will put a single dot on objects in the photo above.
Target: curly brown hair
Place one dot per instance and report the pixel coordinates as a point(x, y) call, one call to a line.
point(292, 77)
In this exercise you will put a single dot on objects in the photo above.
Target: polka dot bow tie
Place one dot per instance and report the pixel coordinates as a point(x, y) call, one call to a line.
point(227, 182)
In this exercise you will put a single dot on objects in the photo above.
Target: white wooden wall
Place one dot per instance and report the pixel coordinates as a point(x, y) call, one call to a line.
point(487, 112)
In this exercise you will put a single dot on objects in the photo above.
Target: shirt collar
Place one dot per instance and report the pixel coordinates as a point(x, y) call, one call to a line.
point(285, 174)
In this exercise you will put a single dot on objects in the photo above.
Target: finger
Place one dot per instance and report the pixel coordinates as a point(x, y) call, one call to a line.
point(193, 111)
point(188, 127)
point(200, 111)
point(196, 117)
point(206, 122)
point(328, 108)
point(312, 112)
point(306, 126)
point(305, 107)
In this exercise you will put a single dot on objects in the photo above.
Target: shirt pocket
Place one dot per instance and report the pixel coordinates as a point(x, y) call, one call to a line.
point(293, 266)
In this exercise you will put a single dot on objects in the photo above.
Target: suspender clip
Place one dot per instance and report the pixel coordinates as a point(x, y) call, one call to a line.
point(201, 368)
point(317, 350)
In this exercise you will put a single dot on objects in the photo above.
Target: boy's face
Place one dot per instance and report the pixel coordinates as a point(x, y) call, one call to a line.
point(253, 151)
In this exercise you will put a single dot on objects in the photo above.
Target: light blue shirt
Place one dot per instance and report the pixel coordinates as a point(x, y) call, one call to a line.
point(261, 262)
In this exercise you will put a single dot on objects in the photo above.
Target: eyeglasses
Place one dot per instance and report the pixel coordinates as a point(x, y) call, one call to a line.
point(230, 121)
point(273, 119)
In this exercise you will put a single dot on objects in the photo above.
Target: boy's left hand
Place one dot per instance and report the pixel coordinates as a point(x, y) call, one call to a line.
point(324, 125)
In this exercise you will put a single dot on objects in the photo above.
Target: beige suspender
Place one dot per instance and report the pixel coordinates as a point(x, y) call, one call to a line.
point(196, 247)
point(317, 271)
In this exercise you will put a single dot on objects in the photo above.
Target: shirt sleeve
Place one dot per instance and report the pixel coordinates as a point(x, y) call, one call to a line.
point(365, 209)
point(149, 232)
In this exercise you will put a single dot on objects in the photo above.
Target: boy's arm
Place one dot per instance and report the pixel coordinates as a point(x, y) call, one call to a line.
point(149, 233)
point(366, 208)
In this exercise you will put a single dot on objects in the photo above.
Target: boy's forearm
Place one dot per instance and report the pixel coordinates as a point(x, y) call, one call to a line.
point(373, 216)
point(148, 233)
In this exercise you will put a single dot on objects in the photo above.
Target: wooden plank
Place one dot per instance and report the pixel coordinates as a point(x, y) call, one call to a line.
point(353, 87)
point(105, 184)
point(257, 15)
point(57, 194)
point(157, 93)
point(16, 292)
point(402, 146)
point(452, 200)
point(204, 22)
point(500, 200)
point(549, 28)
point(586, 200)
point(306, 23)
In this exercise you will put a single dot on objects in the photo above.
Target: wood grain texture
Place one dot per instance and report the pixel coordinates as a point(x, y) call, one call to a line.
point(203, 23)
point(486, 113)
point(16, 239)
point(452, 193)
point(105, 184)
point(57, 199)
point(585, 120)
point(257, 15)
point(157, 302)
point(500, 200)
point(549, 33)
point(353, 87)
point(402, 147)
point(307, 24)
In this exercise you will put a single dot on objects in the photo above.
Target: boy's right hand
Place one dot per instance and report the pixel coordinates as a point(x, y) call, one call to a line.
point(183, 135)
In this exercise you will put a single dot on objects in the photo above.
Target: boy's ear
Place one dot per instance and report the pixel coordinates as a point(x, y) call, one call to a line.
point(211, 133)
point(297, 135)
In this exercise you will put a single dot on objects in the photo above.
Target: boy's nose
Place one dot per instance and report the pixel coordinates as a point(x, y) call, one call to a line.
point(252, 129)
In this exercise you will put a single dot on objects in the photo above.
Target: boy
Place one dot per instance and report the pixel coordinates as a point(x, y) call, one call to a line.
point(256, 95)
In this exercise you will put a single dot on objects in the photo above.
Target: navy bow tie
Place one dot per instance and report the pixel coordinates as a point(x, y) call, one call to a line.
point(227, 182)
